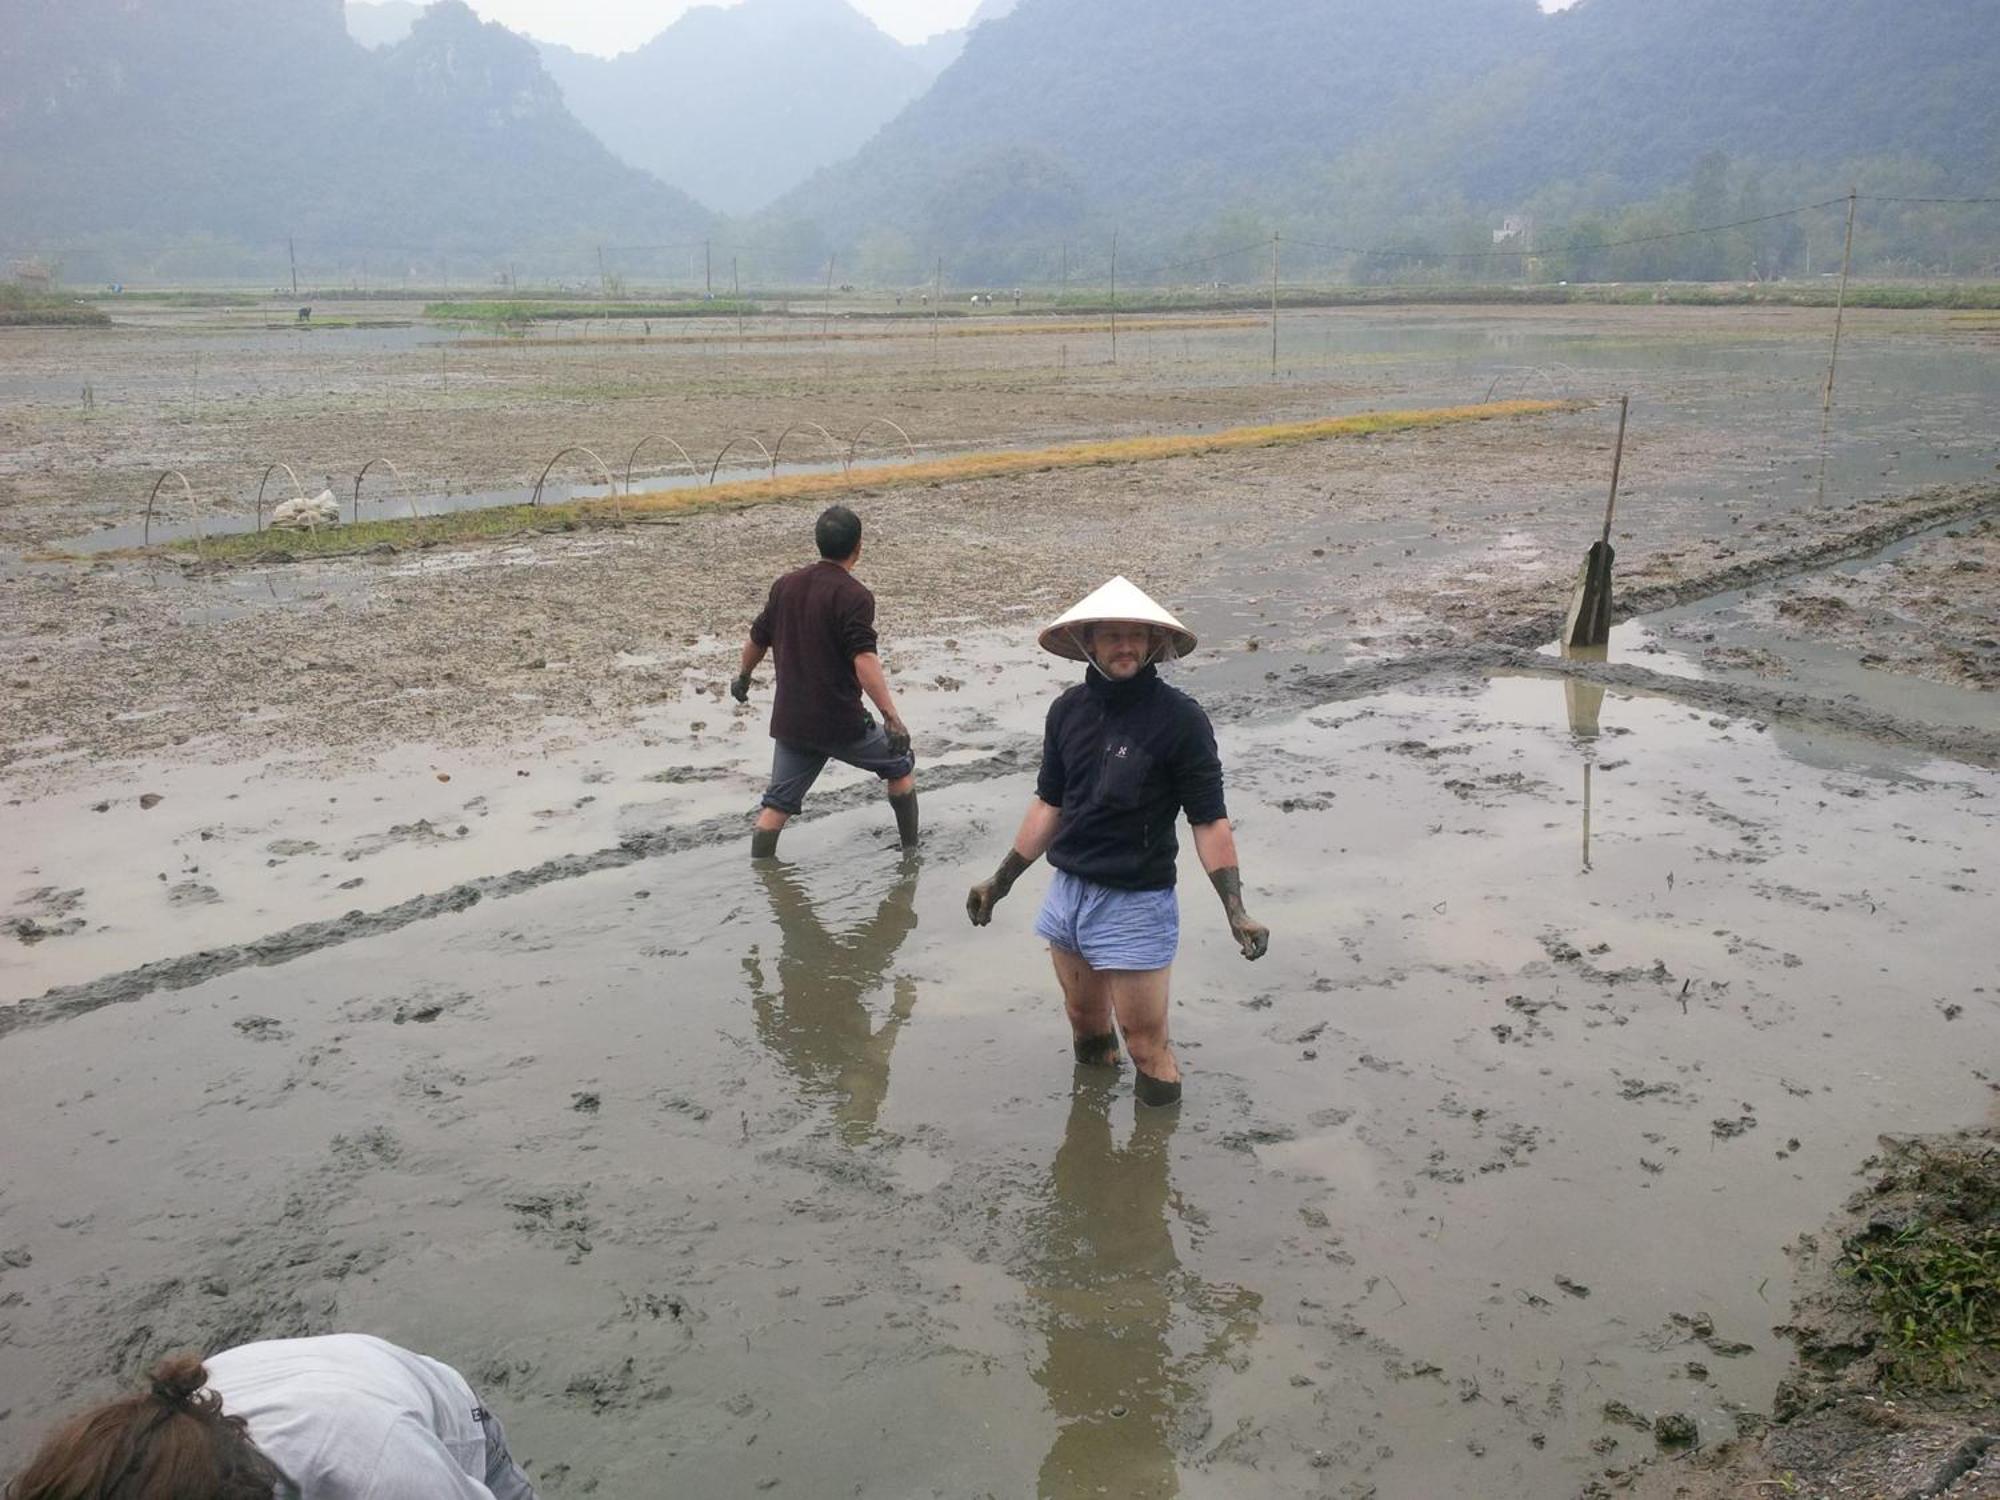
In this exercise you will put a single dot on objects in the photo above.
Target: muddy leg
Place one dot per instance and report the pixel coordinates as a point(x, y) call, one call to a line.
point(1139, 997)
point(903, 801)
point(764, 838)
point(1087, 1002)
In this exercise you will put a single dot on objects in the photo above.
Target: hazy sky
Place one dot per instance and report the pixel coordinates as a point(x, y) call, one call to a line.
point(610, 26)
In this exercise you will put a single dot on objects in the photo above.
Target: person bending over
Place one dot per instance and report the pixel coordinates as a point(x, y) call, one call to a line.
point(343, 1417)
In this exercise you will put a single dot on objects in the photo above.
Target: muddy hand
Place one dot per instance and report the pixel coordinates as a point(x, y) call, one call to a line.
point(982, 898)
point(980, 901)
point(739, 689)
point(1253, 937)
point(899, 736)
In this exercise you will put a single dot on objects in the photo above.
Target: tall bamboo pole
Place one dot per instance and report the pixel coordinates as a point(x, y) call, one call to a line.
point(1114, 296)
point(1274, 307)
point(1833, 358)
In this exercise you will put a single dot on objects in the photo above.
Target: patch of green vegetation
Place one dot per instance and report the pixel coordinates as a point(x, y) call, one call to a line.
point(1965, 297)
point(521, 310)
point(1934, 1284)
point(399, 534)
point(179, 299)
point(21, 307)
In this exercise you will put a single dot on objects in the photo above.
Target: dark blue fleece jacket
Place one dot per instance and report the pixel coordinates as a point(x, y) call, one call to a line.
point(1123, 760)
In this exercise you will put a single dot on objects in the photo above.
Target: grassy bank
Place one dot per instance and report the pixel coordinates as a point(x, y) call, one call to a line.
point(521, 310)
point(1933, 1280)
point(22, 308)
point(1970, 297)
point(479, 525)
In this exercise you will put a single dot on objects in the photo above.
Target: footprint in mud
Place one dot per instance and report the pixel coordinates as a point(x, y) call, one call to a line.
point(192, 893)
point(558, 1214)
point(46, 913)
point(619, 1388)
point(423, 831)
point(421, 1008)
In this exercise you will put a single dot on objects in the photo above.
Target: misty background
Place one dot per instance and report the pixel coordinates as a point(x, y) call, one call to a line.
point(381, 142)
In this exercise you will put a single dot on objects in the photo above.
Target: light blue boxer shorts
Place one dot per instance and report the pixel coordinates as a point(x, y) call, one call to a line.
point(1110, 928)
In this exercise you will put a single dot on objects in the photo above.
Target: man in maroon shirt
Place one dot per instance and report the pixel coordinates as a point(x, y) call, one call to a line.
point(821, 622)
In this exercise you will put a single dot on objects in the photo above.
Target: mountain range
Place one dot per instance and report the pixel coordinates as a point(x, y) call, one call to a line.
point(231, 126)
point(1189, 127)
point(1182, 120)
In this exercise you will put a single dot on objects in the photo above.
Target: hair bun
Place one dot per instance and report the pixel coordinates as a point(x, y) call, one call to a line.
point(178, 1378)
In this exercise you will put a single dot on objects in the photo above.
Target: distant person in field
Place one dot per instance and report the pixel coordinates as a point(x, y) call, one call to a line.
point(1123, 756)
point(820, 620)
point(344, 1417)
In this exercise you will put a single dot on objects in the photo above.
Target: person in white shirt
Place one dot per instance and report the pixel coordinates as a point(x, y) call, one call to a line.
point(343, 1417)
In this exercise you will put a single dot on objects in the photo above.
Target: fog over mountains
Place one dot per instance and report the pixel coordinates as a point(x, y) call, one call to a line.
point(1363, 120)
point(221, 125)
point(736, 106)
point(207, 126)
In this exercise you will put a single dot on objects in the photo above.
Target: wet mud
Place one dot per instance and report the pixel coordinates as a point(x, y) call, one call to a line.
point(385, 953)
point(1448, 1204)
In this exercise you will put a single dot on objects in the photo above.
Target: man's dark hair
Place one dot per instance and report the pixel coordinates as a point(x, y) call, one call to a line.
point(838, 532)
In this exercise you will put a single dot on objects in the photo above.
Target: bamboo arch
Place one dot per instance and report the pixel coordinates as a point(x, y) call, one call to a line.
point(610, 484)
point(879, 422)
point(266, 481)
point(779, 447)
point(390, 465)
point(632, 457)
point(716, 467)
point(194, 510)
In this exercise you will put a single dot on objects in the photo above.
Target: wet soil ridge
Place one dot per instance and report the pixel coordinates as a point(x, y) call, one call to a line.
point(1978, 746)
point(180, 973)
point(1896, 1389)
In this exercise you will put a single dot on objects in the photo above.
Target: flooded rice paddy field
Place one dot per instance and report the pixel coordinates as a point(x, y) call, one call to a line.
point(383, 953)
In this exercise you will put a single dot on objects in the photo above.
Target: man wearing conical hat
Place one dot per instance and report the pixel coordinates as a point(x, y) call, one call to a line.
point(1123, 756)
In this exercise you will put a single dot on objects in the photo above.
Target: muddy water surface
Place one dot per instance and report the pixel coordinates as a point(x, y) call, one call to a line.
point(719, 1178)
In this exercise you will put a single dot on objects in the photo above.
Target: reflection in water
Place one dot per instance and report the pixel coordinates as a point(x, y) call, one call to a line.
point(1106, 1288)
point(816, 1022)
point(1584, 702)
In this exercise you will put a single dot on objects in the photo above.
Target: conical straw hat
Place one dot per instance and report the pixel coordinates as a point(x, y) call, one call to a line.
point(1119, 600)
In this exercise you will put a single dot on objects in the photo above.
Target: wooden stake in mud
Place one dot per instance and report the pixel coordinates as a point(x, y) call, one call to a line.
point(1833, 359)
point(1274, 307)
point(1589, 619)
point(1114, 296)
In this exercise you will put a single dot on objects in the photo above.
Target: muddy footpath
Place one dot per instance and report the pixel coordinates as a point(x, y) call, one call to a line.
point(381, 953)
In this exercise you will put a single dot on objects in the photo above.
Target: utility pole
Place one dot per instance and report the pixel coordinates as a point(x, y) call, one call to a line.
point(1114, 296)
point(736, 292)
point(1065, 275)
point(1274, 307)
point(826, 301)
point(603, 276)
point(707, 270)
point(292, 250)
point(1833, 359)
point(937, 305)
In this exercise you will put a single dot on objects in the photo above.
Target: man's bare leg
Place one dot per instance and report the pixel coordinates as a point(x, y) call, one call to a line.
point(1139, 998)
point(764, 838)
point(1087, 1002)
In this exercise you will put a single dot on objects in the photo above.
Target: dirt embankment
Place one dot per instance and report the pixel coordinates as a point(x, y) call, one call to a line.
point(1895, 1394)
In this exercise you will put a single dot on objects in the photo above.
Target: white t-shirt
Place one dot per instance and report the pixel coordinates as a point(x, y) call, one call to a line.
point(349, 1417)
